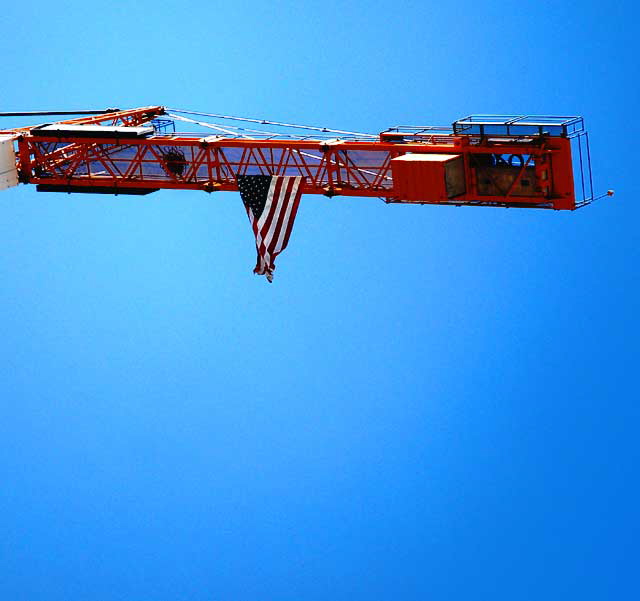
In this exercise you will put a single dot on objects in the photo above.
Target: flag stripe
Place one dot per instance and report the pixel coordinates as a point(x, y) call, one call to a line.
point(276, 225)
point(274, 201)
point(283, 238)
point(269, 205)
point(291, 219)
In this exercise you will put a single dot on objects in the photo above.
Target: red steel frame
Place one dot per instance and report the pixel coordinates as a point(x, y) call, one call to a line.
point(348, 168)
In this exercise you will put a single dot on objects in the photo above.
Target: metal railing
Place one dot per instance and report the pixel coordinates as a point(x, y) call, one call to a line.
point(519, 125)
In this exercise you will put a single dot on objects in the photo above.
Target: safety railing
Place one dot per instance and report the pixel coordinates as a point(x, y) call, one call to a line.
point(519, 125)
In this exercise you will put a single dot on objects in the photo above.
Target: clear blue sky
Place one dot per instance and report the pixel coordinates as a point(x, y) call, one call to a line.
point(428, 403)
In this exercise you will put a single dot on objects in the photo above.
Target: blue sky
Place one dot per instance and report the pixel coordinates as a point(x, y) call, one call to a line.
point(428, 403)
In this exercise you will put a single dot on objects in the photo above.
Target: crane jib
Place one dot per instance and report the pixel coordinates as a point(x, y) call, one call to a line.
point(480, 161)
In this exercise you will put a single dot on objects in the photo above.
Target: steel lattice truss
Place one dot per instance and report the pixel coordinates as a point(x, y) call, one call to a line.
point(540, 175)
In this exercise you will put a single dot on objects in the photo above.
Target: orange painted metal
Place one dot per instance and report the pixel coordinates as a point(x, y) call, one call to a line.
point(418, 176)
point(540, 175)
point(130, 117)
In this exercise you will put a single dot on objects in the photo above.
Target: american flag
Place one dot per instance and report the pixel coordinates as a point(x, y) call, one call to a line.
point(271, 202)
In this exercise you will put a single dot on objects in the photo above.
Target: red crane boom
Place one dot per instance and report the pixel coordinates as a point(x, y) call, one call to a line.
point(480, 161)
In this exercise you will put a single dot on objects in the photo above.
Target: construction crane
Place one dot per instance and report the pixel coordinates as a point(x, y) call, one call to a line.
point(481, 160)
